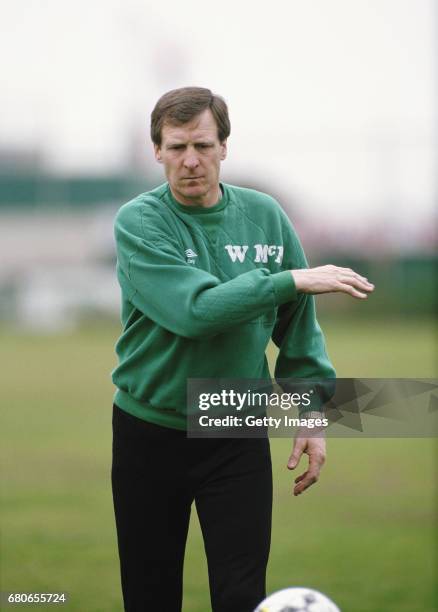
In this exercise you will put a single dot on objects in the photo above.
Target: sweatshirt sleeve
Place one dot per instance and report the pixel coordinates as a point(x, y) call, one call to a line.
point(297, 333)
point(186, 300)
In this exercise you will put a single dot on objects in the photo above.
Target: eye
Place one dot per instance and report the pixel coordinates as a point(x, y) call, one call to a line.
point(203, 145)
point(176, 147)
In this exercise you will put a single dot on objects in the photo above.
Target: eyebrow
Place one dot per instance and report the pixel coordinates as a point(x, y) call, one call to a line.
point(177, 143)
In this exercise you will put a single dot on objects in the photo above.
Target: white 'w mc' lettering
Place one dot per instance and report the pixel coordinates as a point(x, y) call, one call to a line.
point(237, 251)
point(262, 252)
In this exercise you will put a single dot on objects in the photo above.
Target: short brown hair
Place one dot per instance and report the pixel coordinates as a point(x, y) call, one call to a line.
point(180, 106)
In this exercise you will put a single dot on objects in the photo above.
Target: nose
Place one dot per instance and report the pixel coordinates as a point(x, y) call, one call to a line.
point(191, 160)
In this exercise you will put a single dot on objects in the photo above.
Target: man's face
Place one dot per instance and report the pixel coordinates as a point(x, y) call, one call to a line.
point(192, 155)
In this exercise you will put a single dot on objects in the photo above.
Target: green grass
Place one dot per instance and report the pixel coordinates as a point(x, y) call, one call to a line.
point(364, 534)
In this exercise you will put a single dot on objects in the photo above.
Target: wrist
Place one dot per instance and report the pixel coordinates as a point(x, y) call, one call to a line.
point(297, 276)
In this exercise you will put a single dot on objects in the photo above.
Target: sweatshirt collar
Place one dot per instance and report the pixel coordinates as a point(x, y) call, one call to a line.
point(197, 210)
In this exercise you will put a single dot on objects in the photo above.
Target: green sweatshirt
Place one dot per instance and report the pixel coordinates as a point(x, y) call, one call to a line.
point(203, 290)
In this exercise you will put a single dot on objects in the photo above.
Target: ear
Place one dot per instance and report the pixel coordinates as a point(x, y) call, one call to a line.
point(157, 151)
point(223, 150)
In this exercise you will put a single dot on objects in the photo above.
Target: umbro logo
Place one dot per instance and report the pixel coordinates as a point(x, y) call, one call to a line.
point(190, 256)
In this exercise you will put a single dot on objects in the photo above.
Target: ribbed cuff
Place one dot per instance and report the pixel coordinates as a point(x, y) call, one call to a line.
point(284, 287)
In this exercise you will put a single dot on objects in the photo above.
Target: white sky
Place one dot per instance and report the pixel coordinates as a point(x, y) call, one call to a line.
point(332, 100)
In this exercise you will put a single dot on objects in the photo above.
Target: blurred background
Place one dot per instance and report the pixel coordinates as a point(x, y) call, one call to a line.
point(333, 108)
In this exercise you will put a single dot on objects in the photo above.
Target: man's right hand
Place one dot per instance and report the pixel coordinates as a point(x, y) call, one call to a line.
point(330, 279)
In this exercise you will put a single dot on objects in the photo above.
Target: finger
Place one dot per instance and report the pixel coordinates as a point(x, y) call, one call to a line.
point(363, 279)
point(345, 271)
point(363, 284)
point(356, 281)
point(351, 272)
point(308, 480)
point(300, 477)
point(317, 457)
point(298, 450)
point(294, 459)
point(351, 291)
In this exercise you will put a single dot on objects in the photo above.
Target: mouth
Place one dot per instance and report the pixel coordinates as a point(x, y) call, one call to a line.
point(191, 178)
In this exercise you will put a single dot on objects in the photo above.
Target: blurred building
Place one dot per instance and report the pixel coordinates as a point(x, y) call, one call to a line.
point(57, 256)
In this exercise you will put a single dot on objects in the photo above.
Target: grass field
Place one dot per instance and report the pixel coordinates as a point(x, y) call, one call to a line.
point(364, 534)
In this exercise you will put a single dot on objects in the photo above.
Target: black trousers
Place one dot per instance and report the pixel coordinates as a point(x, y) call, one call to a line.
point(157, 473)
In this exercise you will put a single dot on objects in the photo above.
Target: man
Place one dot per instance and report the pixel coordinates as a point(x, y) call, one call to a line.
point(209, 273)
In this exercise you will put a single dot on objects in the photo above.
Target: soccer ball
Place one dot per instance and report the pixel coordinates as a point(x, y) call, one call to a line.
point(297, 600)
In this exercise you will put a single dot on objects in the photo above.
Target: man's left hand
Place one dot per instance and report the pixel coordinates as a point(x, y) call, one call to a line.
point(315, 448)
